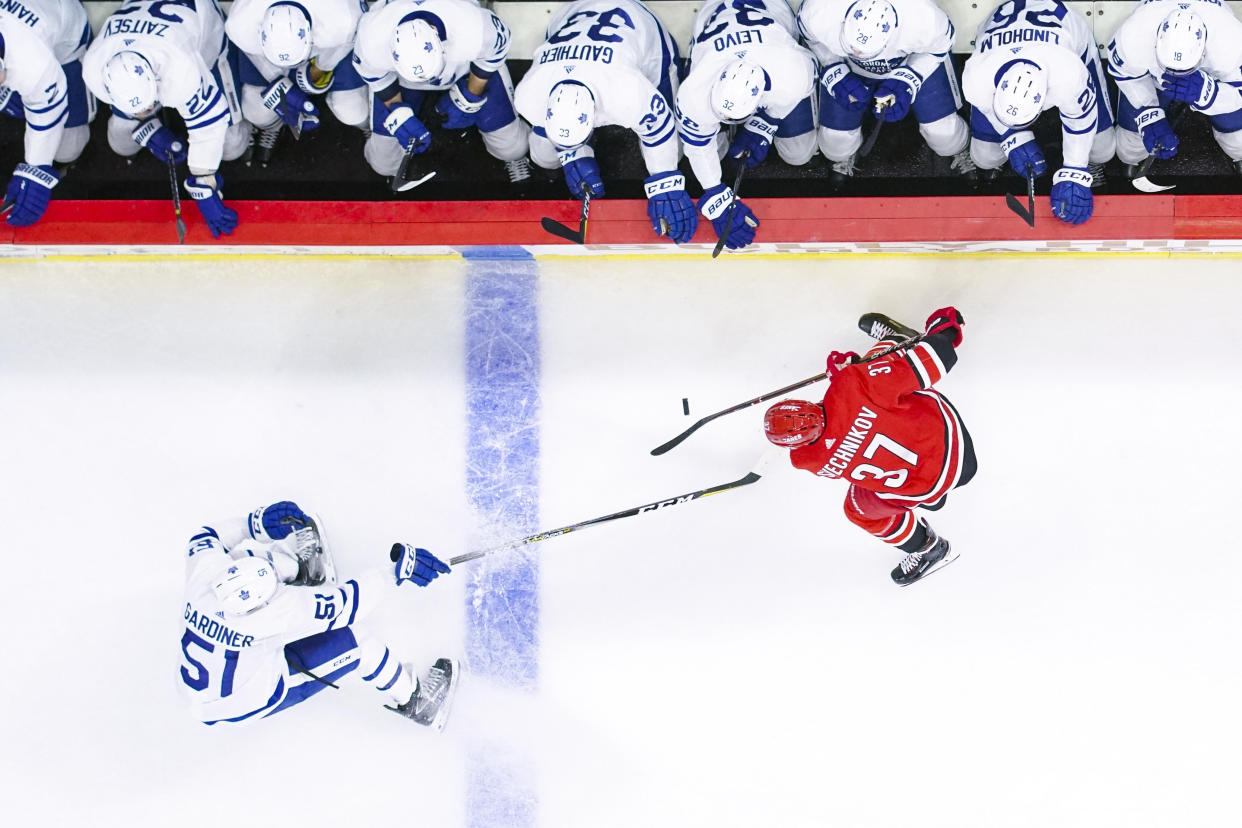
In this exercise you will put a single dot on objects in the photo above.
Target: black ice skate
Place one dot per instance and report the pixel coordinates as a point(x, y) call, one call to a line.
point(315, 564)
point(433, 696)
point(917, 565)
point(879, 326)
point(262, 144)
point(1099, 178)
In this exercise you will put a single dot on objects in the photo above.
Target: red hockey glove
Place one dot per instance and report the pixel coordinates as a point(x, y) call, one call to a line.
point(838, 360)
point(946, 319)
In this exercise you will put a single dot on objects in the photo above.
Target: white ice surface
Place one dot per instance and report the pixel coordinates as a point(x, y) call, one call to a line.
point(739, 661)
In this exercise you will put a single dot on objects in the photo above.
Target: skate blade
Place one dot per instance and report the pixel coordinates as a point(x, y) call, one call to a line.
point(329, 568)
point(949, 557)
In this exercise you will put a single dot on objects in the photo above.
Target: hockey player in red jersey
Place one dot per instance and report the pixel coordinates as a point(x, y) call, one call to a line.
point(882, 427)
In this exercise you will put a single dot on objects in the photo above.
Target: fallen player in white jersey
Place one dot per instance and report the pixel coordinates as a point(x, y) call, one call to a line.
point(267, 626)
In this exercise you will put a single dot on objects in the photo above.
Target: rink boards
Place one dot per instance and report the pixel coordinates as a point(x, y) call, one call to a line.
point(790, 225)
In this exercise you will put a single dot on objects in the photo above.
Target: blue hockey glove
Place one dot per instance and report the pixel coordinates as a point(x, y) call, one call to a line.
point(460, 107)
point(1024, 152)
point(1197, 88)
point(671, 211)
point(715, 205)
point(11, 104)
point(1158, 137)
point(846, 88)
point(302, 77)
point(895, 94)
point(1071, 195)
point(402, 124)
point(205, 190)
point(291, 105)
point(417, 565)
point(755, 137)
point(30, 189)
point(161, 140)
point(275, 522)
point(581, 169)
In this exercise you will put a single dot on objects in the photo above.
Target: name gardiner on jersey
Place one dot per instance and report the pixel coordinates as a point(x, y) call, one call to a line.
point(1008, 36)
point(599, 54)
point(213, 629)
point(840, 460)
point(23, 14)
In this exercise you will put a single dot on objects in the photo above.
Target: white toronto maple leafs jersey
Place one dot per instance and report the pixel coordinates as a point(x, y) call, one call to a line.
point(924, 36)
point(475, 40)
point(1054, 38)
point(234, 665)
point(760, 31)
point(1132, 53)
point(618, 50)
point(182, 40)
point(41, 36)
point(333, 23)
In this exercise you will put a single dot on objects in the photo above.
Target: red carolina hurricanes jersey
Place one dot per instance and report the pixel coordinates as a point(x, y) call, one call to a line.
point(887, 430)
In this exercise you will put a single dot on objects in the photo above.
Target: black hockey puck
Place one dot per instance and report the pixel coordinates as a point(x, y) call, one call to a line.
point(685, 406)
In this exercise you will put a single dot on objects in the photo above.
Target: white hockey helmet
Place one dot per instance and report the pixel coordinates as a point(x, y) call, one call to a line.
point(1181, 41)
point(245, 585)
point(1021, 87)
point(868, 27)
point(571, 114)
point(738, 90)
point(285, 34)
point(130, 82)
point(418, 48)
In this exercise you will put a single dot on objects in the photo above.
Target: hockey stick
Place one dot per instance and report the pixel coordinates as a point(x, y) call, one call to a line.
point(676, 441)
point(176, 197)
point(7, 207)
point(296, 127)
point(403, 181)
point(1141, 182)
point(561, 231)
point(752, 476)
point(737, 184)
point(309, 673)
point(1144, 184)
point(1027, 213)
point(868, 144)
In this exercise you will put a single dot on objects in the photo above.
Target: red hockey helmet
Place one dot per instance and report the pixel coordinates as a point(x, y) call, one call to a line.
point(793, 423)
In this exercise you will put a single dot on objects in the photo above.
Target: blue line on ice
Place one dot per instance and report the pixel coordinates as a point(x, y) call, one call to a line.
point(502, 453)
